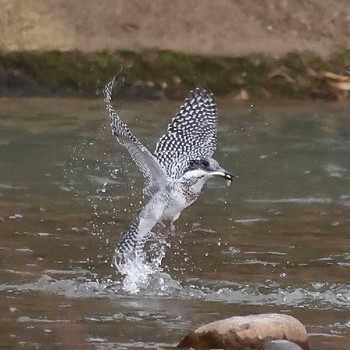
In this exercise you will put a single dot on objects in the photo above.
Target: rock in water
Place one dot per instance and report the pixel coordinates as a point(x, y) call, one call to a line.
point(249, 332)
point(279, 344)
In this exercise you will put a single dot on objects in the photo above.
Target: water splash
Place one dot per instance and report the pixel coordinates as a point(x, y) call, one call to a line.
point(142, 270)
point(102, 184)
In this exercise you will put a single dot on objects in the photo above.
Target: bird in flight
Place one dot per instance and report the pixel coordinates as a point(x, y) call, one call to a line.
point(179, 167)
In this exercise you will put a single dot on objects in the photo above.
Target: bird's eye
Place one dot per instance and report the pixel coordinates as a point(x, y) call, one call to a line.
point(205, 163)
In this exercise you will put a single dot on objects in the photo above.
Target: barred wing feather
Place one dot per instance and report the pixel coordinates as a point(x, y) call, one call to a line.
point(191, 135)
point(144, 159)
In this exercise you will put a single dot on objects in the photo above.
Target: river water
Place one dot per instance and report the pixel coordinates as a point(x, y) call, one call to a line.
point(277, 240)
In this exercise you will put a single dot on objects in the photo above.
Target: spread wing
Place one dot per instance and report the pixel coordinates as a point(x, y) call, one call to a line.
point(144, 159)
point(191, 134)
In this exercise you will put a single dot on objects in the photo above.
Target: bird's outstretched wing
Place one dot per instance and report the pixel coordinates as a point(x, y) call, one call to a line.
point(191, 134)
point(144, 159)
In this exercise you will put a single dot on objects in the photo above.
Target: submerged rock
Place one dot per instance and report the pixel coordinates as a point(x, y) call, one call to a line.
point(249, 332)
point(280, 344)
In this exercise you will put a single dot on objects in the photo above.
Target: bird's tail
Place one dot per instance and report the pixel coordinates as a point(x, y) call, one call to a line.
point(132, 242)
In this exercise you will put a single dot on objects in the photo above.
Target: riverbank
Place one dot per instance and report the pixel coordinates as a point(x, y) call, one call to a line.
point(282, 49)
point(166, 74)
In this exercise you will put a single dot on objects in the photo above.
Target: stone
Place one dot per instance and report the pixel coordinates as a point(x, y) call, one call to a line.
point(249, 332)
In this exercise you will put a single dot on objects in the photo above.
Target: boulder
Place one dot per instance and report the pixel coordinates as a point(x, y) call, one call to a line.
point(249, 332)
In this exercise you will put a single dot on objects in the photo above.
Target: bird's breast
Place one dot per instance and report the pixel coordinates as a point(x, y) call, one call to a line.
point(180, 197)
point(183, 195)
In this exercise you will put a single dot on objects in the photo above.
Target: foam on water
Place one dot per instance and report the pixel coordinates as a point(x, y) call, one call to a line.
point(136, 272)
point(142, 270)
point(320, 296)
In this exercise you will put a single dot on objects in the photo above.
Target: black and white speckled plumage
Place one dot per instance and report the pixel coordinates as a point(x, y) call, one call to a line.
point(179, 168)
point(190, 135)
point(145, 160)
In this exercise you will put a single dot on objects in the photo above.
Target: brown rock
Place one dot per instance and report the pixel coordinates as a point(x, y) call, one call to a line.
point(248, 332)
point(338, 84)
point(242, 96)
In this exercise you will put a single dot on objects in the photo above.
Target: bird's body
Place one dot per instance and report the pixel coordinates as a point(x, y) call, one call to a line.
point(182, 193)
point(180, 166)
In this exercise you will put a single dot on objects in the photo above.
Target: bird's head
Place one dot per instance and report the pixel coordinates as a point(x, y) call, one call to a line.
point(206, 168)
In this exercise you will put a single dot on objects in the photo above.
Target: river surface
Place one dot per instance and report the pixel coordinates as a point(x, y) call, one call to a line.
point(276, 240)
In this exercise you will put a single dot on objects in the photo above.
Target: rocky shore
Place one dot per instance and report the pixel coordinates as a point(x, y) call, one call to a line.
point(166, 74)
point(247, 50)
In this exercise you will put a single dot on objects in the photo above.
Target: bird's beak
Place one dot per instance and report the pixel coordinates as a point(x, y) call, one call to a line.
point(228, 176)
point(225, 174)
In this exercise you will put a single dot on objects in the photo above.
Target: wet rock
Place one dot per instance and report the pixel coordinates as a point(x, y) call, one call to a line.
point(338, 84)
point(280, 344)
point(242, 96)
point(249, 332)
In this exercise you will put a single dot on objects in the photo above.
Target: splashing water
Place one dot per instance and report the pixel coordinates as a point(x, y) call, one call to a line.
point(142, 269)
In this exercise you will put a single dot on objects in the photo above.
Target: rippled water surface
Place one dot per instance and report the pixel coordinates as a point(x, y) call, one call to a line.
point(277, 240)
